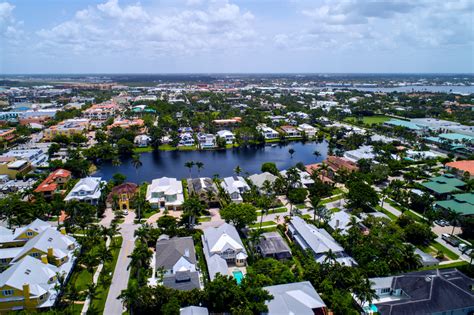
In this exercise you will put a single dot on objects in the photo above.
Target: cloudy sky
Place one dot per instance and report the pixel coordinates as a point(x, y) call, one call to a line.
point(169, 36)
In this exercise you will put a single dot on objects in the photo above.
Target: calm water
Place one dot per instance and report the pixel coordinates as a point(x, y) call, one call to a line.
point(223, 162)
point(421, 88)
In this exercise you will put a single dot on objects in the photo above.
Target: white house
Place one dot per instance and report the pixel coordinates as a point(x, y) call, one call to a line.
point(268, 132)
point(206, 140)
point(223, 246)
point(309, 130)
point(142, 141)
point(87, 189)
point(227, 135)
point(186, 140)
point(235, 186)
point(166, 193)
point(364, 152)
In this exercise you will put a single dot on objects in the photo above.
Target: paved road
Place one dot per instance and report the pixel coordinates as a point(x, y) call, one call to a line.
point(113, 305)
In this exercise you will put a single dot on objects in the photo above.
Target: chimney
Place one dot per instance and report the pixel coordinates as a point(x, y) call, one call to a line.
point(44, 259)
point(63, 230)
point(26, 292)
point(50, 252)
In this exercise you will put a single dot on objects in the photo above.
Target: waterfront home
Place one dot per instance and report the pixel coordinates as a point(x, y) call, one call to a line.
point(206, 140)
point(290, 131)
point(222, 247)
point(142, 141)
point(272, 245)
point(205, 189)
point(165, 193)
point(186, 139)
point(235, 186)
point(268, 132)
point(87, 190)
point(295, 298)
point(227, 135)
point(443, 291)
point(259, 179)
point(67, 128)
point(305, 178)
point(176, 258)
point(461, 168)
point(334, 164)
point(318, 241)
point(122, 195)
point(309, 130)
point(54, 184)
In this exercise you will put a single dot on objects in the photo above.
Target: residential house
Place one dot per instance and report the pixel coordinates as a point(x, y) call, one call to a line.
point(305, 178)
point(13, 167)
point(426, 259)
point(460, 203)
point(461, 168)
point(187, 140)
point(272, 245)
point(268, 132)
point(290, 131)
point(222, 247)
point(55, 183)
point(295, 298)
point(342, 221)
point(444, 185)
point(87, 190)
point(206, 140)
point(259, 179)
point(7, 135)
point(165, 193)
point(205, 189)
point(127, 123)
point(439, 291)
point(309, 130)
point(318, 241)
point(334, 165)
point(142, 141)
point(122, 195)
point(176, 259)
point(364, 152)
point(66, 128)
point(235, 186)
point(227, 135)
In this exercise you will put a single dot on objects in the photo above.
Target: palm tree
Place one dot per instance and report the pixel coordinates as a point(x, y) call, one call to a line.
point(385, 193)
point(189, 165)
point(237, 170)
point(330, 258)
point(316, 153)
point(192, 207)
point(323, 170)
point(455, 218)
point(199, 165)
point(291, 151)
point(104, 254)
point(316, 204)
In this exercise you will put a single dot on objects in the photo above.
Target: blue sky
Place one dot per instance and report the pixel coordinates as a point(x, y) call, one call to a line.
point(184, 36)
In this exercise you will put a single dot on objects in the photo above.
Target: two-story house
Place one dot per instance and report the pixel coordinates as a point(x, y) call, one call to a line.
point(235, 186)
point(165, 193)
point(54, 183)
point(227, 135)
point(87, 190)
point(205, 189)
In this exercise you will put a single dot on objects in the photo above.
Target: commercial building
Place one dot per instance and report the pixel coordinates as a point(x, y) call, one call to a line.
point(66, 128)
point(13, 167)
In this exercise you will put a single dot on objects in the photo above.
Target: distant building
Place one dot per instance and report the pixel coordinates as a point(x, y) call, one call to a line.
point(66, 128)
point(443, 185)
point(268, 132)
point(259, 179)
point(206, 140)
point(227, 135)
point(461, 168)
point(291, 132)
point(13, 167)
point(142, 141)
point(309, 130)
point(227, 123)
point(460, 203)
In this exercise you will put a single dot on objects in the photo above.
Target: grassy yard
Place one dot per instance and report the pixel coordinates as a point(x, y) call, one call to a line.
point(265, 223)
point(331, 199)
point(301, 206)
point(190, 148)
point(166, 147)
point(453, 265)
point(369, 120)
point(274, 210)
point(98, 303)
point(80, 279)
point(435, 247)
point(272, 140)
point(142, 150)
point(204, 219)
point(337, 191)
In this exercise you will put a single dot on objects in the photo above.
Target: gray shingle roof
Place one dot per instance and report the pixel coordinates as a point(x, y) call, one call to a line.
point(169, 251)
point(182, 280)
point(272, 243)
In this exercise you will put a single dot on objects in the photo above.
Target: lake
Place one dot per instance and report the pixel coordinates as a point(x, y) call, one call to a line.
point(222, 162)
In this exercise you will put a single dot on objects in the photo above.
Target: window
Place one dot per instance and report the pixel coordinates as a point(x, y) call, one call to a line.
point(385, 290)
point(29, 233)
point(7, 292)
point(3, 261)
point(35, 254)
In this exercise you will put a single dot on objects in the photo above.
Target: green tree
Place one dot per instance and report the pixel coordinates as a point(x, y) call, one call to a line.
point(269, 167)
point(361, 195)
point(189, 165)
point(239, 215)
point(125, 147)
point(192, 208)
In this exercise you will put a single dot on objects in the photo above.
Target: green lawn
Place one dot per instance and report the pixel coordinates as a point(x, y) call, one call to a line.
point(331, 199)
point(146, 215)
point(453, 265)
point(451, 255)
point(166, 147)
point(190, 148)
point(265, 223)
point(141, 150)
point(301, 206)
point(337, 191)
point(272, 140)
point(274, 210)
point(80, 279)
point(369, 120)
point(386, 212)
point(98, 303)
point(204, 219)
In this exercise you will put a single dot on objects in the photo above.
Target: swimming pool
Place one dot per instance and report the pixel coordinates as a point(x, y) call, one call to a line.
point(238, 276)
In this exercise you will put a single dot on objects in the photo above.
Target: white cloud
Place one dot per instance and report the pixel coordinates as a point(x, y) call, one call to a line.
point(10, 29)
point(111, 27)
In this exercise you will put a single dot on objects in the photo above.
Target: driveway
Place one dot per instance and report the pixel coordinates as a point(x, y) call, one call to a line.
point(113, 305)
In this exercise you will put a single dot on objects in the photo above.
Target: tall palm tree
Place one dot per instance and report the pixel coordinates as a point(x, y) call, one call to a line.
point(237, 170)
point(330, 258)
point(455, 218)
point(199, 165)
point(189, 165)
point(291, 151)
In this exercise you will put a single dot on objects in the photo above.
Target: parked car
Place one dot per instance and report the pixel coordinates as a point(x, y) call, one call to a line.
point(450, 239)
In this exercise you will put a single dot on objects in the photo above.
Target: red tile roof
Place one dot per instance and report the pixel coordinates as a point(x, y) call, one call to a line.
point(465, 166)
point(49, 184)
